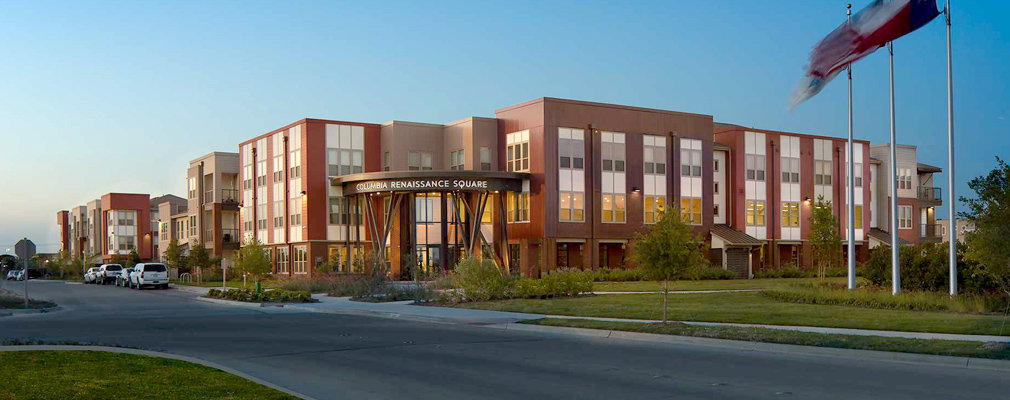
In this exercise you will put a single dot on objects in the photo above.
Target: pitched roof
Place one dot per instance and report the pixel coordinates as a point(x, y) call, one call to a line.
point(885, 237)
point(734, 237)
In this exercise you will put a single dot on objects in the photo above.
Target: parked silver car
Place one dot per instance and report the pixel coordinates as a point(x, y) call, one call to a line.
point(123, 278)
point(107, 273)
point(150, 274)
point(89, 277)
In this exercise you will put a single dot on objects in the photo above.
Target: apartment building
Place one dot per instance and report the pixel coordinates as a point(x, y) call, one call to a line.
point(776, 178)
point(212, 191)
point(172, 219)
point(126, 223)
point(917, 196)
point(963, 227)
point(63, 221)
point(156, 204)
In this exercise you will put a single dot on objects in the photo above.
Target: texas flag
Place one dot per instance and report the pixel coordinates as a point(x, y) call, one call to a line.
point(870, 29)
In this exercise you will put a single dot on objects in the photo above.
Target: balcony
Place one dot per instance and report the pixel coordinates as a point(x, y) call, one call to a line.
point(930, 232)
point(230, 199)
point(230, 239)
point(930, 195)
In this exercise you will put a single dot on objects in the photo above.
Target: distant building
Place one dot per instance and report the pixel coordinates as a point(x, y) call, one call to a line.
point(963, 226)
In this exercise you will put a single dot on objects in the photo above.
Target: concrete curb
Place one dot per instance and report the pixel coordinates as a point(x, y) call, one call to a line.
point(160, 355)
point(855, 354)
point(378, 314)
point(12, 312)
point(238, 303)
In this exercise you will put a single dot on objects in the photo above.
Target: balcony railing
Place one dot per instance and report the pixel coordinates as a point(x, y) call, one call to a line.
point(931, 230)
point(230, 236)
point(208, 196)
point(229, 196)
point(930, 193)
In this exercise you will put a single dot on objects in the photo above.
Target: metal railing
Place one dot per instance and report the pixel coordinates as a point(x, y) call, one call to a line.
point(931, 230)
point(230, 236)
point(930, 193)
point(229, 196)
point(208, 196)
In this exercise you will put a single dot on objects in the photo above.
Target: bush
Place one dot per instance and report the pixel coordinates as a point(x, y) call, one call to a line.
point(925, 267)
point(875, 297)
point(713, 274)
point(480, 280)
point(268, 296)
point(618, 275)
point(784, 272)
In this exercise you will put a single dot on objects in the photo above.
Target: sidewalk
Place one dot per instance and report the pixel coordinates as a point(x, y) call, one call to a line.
point(686, 291)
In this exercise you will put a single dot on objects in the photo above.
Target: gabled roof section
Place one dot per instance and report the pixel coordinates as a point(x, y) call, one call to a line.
point(734, 237)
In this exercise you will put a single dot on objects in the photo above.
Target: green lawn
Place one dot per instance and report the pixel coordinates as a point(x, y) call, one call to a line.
point(752, 308)
point(102, 375)
point(728, 284)
point(922, 346)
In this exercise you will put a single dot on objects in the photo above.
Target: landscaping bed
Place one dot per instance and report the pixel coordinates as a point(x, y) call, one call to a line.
point(266, 296)
point(10, 300)
point(921, 346)
point(751, 308)
point(103, 375)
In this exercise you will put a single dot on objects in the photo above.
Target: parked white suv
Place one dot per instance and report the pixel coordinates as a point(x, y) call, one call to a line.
point(89, 276)
point(149, 274)
point(107, 273)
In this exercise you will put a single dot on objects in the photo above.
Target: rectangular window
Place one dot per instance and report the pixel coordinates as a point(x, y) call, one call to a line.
point(654, 156)
point(612, 152)
point(858, 214)
point(690, 210)
point(518, 207)
point(191, 186)
point(857, 174)
point(301, 260)
point(822, 173)
point(904, 178)
point(654, 208)
point(755, 167)
point(790, 170)
point(690, 157)
point(343, 162)
point(282, 260)
point(261, 216)
point(905, 217)
point(419, 161)
point(790, 214)
point(755, 213)
point(261, 174)
point(296, 211)
point(571, 207)
point(192, 226)
point(715, 167)
point(571, 149)
point(485, 158)
point(457, 160)
point(385, 161)
point(517, 151)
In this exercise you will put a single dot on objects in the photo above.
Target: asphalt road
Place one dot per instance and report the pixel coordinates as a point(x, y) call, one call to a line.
point(350, 357)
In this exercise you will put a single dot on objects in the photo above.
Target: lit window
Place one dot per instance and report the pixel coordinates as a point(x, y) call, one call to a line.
point(517, 151)
point(690, 210)
point(755, 213)
point(790, 214)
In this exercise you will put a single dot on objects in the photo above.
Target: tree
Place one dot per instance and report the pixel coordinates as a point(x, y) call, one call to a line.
point(825, 244)
point(132, 259)
point(175, 257)
point(253, 260)
point(990, 210)
point(200, 258)
point(671, 250)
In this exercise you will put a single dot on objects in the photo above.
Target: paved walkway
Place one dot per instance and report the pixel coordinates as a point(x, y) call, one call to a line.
point(686, 291)
point(407, 310)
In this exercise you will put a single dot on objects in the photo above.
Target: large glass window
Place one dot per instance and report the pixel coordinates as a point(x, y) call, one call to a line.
point(790, 214)
point(690, 157)
point(822, 173)
point(790, 170)
point(858, 215)
point(571, 207)
point(419, 161)
point(485, 158)
point(905, 217)
point(755, 167)
point(755, 212)
point(518, 207)
point(282, 260)
point(654, 207)
point(301, 260)
point(457, 160)
point(690, 210)
point(517, 151)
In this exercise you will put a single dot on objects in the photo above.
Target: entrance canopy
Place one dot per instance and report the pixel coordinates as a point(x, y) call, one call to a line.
point(430, 181)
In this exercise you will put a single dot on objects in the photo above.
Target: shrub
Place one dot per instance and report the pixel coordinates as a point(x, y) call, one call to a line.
point(567, 282)
point(783, 272)
point(268, 296)
point(713, 273)
point(875, 297)
point(480, 280)
point(618, 275)
point(925, 267)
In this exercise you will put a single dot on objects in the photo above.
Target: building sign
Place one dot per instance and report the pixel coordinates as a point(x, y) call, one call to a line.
point(430, 181)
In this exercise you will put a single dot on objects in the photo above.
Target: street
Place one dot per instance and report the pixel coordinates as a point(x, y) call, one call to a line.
point(352, 357)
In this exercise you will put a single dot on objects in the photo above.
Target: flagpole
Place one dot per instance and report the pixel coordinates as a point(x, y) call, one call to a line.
point(851, 180)
point(952, 218)
point(895, 241)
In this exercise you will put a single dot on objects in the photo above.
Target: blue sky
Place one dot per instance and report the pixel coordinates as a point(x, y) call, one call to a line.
point(118, 96)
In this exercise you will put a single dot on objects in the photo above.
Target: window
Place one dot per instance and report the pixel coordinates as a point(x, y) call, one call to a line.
point(344, 149)
point(571, 149)
point(417, 161)
point(715, 210)
point(755, 212)
point(457, 160)
point(192, 225)
point(716, 166)
point(301, 260)
point(279, 214)
point(822, 173)
point(790, 214)
point(858, 214)
point(261, 174)
point(904, 217)
point(614, 208)
point(562, 255)
point(690, 210)
point(338, 216)
point(654, 208)
point(857, 174)
point(261, 216)
point(282, 260)
point(690, 157)
point(571, 207)
point(191, 186)
point(517, 151)
point(518, 207)
point(790, 170)
point(612, 152)
point(654, 154)
point(385, 161)
point(715, 185)
point(755, 167)
point(904, 178)
point(296, 211)
point(485, 158)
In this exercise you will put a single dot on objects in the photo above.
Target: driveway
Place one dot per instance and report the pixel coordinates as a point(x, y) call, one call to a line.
point(329, 356)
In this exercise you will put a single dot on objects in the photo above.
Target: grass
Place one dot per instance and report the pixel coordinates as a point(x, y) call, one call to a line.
point(10, 300)
point(729, 284)
point(922, 346)
point(752, 308)
point(875, 297)
point(102, 375)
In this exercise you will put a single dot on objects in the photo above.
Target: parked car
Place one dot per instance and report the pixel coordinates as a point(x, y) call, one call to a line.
point(12, 274)
point(89, 277)
point(107, 273)
point(149, 274)
point(30, 274)
point(123, 278)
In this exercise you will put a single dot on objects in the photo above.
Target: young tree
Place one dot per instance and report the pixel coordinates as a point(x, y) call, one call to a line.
point(990, 210)
point(253, 260)
point(825, 243)
point(175, 257)
point(200, 258)
point(132, 259)
point(670, 251)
